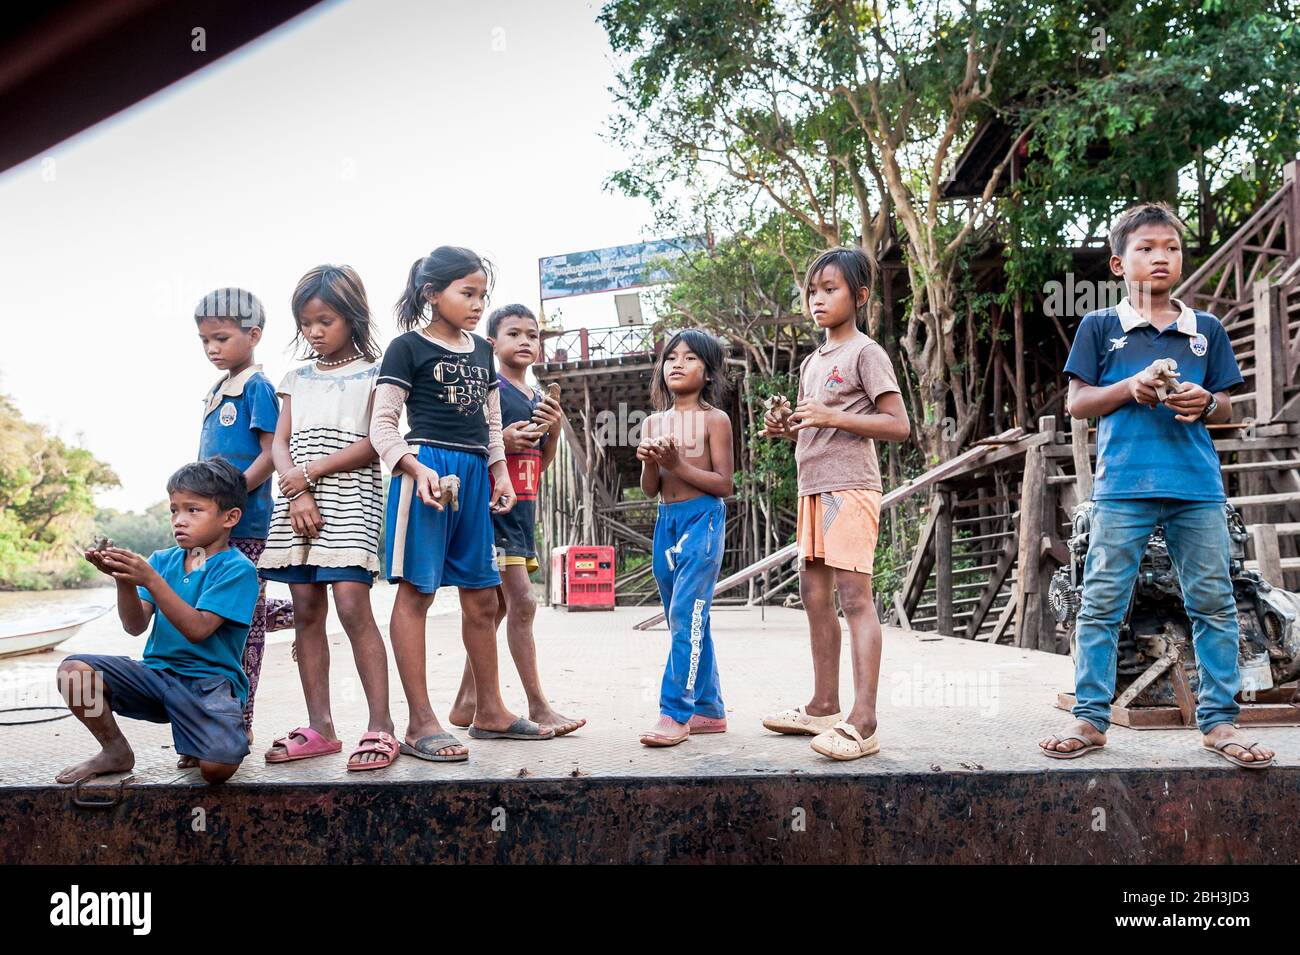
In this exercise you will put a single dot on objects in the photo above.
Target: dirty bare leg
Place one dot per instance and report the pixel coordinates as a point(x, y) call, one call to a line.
point(521, 611)
point(407, 632)
point(352, 601)
point(83, 689)
point(311, 607)
point(816, 589)
point(864, 646)
point(462, 711)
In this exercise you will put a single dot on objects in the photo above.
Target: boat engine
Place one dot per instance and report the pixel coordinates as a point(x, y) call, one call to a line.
point(1155, 632)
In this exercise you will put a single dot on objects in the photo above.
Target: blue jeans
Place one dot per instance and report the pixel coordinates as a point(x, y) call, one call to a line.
point(688, 546)
point(1197, 534)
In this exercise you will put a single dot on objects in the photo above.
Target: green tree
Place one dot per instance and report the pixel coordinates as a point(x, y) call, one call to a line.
point(46, 502)
point(847, 117)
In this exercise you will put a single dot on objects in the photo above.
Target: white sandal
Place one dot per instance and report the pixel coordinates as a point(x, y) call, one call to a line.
point(797, 722)
point(853, 746)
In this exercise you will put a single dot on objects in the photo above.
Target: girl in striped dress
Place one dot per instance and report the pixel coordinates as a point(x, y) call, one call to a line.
point(325, 529)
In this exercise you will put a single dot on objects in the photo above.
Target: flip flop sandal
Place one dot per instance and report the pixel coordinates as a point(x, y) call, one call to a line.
point(314, 745)
point(707, 724)
point(853, 746)
point(373, 742)
point(519, 729)
point(426, 747)
point(1219, 748)
point(797, 722)
point(655, 738)
point(1087, 747)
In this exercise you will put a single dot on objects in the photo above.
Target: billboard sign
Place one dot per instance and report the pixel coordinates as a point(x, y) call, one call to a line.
point(611, 270)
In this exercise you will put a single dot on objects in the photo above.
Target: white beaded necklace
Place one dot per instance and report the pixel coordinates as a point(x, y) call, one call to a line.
point(334, 364)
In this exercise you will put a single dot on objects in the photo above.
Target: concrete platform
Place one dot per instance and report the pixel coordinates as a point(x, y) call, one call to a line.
point(959, 777)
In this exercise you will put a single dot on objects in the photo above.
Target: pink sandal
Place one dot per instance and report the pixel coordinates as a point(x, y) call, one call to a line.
point(374, 742)
point(707, 724)
point(314, 745)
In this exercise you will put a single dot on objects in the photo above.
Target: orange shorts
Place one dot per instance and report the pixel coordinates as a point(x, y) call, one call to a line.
point(840, 527)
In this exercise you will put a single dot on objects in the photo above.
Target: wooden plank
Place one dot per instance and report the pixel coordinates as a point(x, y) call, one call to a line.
point(943, 562)
point(1082, 462)
point(1005, 618)
point(1274, 442)
point(903, 620)
point(918, 572)
point(1284, 497)
point(1148, 676)
point(1260, 465)
point(944, 470)
point(580, 459)
point(1290, 529)
point(1183, 694)
point(996, 579)
point(1030, 548)
point(1286, 563)
point(1267, 554)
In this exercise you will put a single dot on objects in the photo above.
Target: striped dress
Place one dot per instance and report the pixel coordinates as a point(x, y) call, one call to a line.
point(329, 411)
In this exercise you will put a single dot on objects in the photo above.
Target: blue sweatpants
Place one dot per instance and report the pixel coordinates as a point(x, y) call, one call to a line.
point(688, 546)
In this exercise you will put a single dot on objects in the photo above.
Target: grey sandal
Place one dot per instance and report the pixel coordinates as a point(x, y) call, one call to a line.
point(1087, 747)
point(1237, 760)
point(519, 729)
point(426, 747)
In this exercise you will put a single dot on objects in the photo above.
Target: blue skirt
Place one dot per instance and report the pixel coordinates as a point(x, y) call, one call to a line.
point(441, 548)
point(311, 574)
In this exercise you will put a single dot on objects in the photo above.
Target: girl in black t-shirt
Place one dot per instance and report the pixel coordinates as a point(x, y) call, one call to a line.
point(446, 379)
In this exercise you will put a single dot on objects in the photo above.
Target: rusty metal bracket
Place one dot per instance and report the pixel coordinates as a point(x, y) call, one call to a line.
point(116, 793)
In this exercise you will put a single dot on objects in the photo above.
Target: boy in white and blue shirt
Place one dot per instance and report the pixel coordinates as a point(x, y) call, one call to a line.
point(1156, 465)
point(240, 413)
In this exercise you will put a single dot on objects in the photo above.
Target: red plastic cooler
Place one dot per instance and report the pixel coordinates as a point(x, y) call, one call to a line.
point(582, 578)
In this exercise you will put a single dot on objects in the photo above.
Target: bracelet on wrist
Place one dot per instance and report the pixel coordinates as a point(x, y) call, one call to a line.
point(307, 475)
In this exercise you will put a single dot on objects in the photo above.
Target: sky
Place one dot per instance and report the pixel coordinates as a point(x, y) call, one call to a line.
point(364, 132)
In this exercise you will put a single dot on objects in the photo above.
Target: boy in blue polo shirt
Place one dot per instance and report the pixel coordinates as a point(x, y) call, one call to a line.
point(239, 418)
point(1156, 464)
point(200, 595)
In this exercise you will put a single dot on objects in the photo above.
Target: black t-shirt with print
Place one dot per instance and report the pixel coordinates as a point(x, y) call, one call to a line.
point(446, 390)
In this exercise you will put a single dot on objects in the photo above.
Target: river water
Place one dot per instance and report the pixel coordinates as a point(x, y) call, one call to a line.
point(28, 680)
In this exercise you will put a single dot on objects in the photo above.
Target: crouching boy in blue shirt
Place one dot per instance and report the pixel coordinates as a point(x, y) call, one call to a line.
point(191, 676)
point(1156, 464)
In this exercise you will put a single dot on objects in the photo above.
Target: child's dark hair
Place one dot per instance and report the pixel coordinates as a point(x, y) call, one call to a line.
point(215, 478)
point(1134, 217)
point(232, 305)
point(708, 350)
point(508, 311)
point(856, 266)
point(434, 273)
point(339, 287)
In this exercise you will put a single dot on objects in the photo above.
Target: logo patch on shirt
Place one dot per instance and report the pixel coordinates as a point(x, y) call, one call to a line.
point(834, 379)
point(1200, 345)
point(228, 414)
point(1117, 343)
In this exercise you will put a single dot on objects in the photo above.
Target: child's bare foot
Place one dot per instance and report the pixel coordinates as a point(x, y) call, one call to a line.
point(462, 713)
point(117, 759)
point(562, 724)
point(667, 732)
point(1067, 740)
point(187, 762)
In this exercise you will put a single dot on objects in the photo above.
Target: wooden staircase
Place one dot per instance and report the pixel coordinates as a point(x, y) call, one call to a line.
point(967, 576)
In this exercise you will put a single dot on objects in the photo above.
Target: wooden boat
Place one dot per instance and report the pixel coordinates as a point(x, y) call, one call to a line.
point(45, 632)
